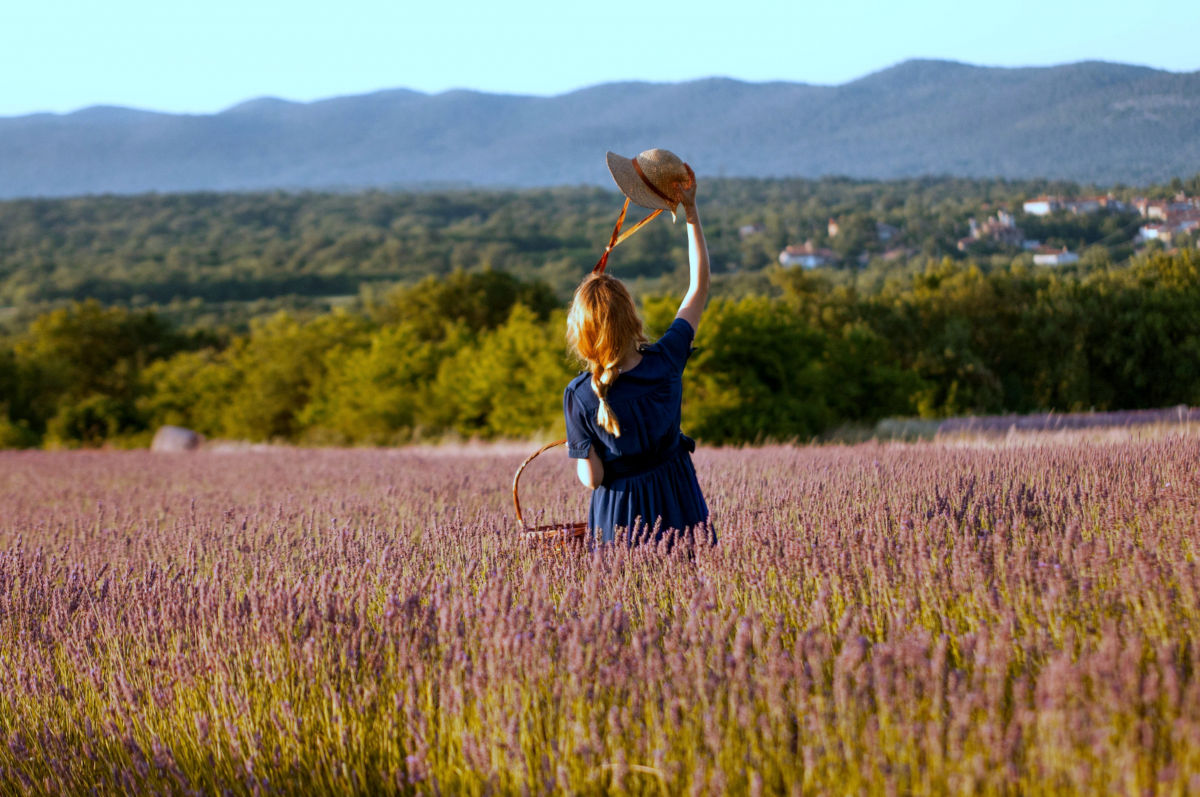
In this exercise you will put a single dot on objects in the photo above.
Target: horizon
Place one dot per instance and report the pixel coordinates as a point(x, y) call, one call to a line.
point(201, 60)
point(467, 89)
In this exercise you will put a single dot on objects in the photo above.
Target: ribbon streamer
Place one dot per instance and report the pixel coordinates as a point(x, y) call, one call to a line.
point(618, 236)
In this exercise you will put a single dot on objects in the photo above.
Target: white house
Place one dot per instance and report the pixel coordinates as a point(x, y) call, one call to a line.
point(999, 228)
point(806, 256)
point(1048, 256)
point(1151, 208)
point(1155, 232)
point(1042, 205)
point(1045, 205)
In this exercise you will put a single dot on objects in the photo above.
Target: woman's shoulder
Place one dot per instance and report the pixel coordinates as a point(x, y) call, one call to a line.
point(679, 329)
point(580, 386)
point(675, 344)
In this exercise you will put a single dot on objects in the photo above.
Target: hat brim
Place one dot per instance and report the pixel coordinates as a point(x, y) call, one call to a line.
point(632, 185)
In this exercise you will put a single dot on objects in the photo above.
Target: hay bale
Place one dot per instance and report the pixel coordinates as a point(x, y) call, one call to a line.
point(175, 438)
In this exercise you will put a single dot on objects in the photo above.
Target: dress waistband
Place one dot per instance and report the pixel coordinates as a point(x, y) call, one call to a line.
point(637, 464)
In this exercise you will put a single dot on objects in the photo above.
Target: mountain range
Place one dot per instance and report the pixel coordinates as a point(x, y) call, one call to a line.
point(1092, 122)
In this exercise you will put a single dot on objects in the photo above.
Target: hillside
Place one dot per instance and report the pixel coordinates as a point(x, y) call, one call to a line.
point(1093, 122)
point(259, 246)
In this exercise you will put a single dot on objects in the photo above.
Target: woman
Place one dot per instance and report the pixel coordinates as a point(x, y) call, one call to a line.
point(623, 412)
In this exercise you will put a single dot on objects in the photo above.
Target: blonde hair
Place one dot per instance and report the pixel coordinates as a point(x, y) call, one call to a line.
point(601, 326)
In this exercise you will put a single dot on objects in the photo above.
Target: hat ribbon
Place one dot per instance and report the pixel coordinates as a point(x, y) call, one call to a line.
point(618, 236)
point(637, 167)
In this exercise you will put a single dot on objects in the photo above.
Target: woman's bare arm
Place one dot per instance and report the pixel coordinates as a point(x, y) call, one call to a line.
point(692, 306)
point(590, 470)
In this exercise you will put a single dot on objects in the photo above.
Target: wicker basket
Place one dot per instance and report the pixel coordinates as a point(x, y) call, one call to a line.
point(555, 535)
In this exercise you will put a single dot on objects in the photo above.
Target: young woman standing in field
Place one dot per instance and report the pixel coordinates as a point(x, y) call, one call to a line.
point(623, 412)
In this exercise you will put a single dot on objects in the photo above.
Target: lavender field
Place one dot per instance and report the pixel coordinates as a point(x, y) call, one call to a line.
point(999, 617)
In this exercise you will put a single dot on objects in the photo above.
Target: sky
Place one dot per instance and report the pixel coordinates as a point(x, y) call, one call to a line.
point(202, 57)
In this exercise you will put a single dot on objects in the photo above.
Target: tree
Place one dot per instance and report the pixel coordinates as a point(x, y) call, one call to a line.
point(278, 367)
point(509, 383)
point(380, 393)
point(82, 365)
point(15, 408)
point(865, 381)
point(480, 300)
point(756, 374)
point(92, 421)
point(89, 349)
point(191, 389)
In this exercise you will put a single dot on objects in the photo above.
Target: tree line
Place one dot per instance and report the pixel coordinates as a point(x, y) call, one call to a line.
point(482, 355)
point(206, 256)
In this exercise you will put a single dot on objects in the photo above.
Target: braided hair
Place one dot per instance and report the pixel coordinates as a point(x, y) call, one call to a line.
point(601, 325)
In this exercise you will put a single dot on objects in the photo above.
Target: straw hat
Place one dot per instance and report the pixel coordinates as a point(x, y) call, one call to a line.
point(652, 179)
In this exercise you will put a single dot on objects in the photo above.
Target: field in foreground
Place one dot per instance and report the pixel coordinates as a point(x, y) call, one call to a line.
point(1010, 617)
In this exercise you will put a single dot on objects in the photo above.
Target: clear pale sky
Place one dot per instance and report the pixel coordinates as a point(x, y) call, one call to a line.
point(201, 56)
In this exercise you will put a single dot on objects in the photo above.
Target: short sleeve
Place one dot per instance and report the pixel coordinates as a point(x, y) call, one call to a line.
point(676, 343)
point(579, 440)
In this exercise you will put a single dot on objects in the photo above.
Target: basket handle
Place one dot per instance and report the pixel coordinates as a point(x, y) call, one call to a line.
point(517, 477)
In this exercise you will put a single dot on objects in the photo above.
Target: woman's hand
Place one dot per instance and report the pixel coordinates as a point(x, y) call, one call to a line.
point(687, 192)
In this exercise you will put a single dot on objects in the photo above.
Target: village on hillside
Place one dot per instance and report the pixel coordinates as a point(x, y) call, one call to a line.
point(1169, 222)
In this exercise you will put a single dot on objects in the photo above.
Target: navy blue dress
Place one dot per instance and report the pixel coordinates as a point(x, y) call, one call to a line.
point(649, 482)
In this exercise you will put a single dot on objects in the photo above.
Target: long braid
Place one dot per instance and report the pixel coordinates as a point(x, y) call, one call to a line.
point(602, 379)
point(601, 326)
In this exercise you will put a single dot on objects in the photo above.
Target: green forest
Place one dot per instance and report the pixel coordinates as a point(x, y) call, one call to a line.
point(220, 258)
point(482, 355)
point(387, 318)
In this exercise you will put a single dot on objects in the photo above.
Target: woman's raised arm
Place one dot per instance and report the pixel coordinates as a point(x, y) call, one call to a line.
point(692, 306)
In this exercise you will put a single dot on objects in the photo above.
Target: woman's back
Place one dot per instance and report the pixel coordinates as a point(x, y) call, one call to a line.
point(649, 482)
point(646, 400)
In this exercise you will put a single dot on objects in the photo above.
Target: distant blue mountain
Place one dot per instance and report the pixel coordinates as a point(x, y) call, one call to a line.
point(1090, 122)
